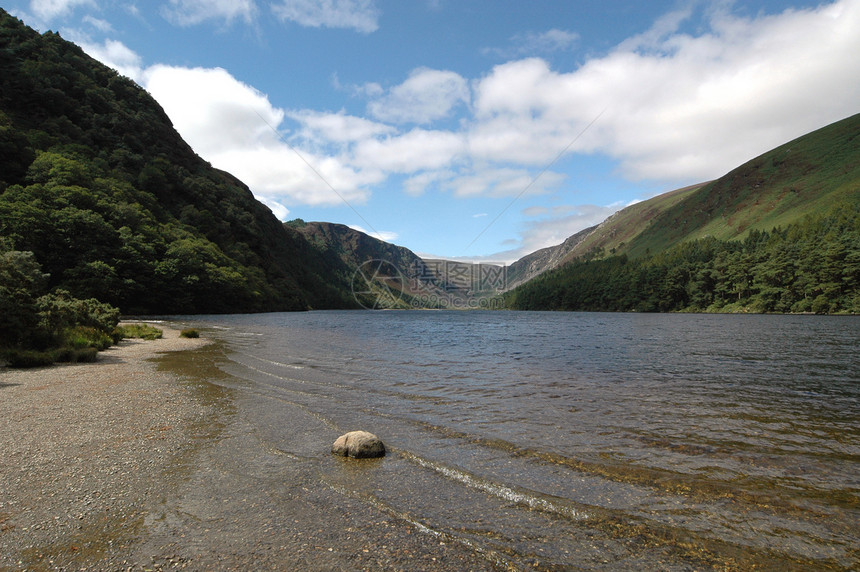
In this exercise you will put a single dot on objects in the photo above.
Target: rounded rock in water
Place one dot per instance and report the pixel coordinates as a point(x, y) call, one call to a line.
point(359, 445)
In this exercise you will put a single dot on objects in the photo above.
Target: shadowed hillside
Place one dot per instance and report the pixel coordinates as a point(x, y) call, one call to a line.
point(95, 181)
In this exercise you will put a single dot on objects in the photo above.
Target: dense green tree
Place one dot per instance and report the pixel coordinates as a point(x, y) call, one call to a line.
point(113, 204)
point(810, 266)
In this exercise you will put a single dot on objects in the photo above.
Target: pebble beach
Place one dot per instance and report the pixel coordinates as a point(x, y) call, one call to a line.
point(140, 462)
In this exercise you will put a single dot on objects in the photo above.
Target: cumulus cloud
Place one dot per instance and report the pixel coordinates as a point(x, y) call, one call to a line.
point(48, 9)
point(384, 235)
point(426, 96)
point(116, 55)
point(681, 107)
point(101, 25)
point(360, 15)
point(418, 184)
point(549, 231)
point(503, 182)
point(233, 126)
point(339, 127)
point(191, 12)
point(410, 152)
point(281, 212)
point(676, 107)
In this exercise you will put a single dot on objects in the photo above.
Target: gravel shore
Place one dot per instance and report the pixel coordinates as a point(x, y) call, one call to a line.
point(148, 460)
point(87, 450)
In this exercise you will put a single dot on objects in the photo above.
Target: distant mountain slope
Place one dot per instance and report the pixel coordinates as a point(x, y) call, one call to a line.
point(383, 275)
point(781, 233)
point(544, 259)
point(621, 229)
point(354, 247)
point(808, 174)
point(115, 205)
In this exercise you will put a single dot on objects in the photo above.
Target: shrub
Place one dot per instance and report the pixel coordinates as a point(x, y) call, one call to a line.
point(76, 355)
point(58, 312)
point(28, 358)
point(144, 331)
point(189, 333)
point(86, 337)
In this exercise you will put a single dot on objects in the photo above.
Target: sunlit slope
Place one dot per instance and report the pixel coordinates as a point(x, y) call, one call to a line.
point(619, 231)
point(805, 176)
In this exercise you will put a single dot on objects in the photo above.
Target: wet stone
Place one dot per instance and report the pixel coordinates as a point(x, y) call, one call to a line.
point(359, 445)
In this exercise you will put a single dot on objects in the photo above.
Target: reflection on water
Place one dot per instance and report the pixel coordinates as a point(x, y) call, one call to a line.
point(598, 441)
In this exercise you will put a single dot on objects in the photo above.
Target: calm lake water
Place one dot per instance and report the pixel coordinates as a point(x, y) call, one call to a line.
point(578, 440)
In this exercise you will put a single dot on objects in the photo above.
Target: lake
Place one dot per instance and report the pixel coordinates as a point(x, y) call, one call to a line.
point(576, 440)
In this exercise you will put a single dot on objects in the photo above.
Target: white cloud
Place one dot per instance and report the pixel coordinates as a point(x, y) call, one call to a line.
point(418, 184)
point(502, 182)
point(663, 28)
point(116, 55)
point(339, 127)
point(281, 212)
point(48, 9)
point(532, 43)
point(101, 25)
point(384, 235)
point(552, 231)
point(370, 89)
point(191, 12)
point(213, 111)
point(427, 95)
point(360, 15)
point(416, 150)
point(680, 107)
point(535, 211)
point(233, 125)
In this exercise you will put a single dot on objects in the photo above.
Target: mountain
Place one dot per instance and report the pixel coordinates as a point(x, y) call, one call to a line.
point(540, 261)
point(96, 182)
point(780, 233)
point(381, 275)
point(388, 276)
point(807, 175)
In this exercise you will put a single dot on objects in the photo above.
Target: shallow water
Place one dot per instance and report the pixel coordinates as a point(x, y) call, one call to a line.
point(593, 441)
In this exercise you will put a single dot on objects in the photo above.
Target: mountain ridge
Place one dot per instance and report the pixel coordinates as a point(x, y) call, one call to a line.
point(780, 233)
point(115, 205)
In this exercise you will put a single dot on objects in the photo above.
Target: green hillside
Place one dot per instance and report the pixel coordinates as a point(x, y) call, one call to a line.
point(781, 233)
point(384, 275)
point(114, 205)
point(807, 175)
point(620, 230)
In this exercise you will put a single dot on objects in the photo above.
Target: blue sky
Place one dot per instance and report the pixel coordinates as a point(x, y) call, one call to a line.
point(477, 129)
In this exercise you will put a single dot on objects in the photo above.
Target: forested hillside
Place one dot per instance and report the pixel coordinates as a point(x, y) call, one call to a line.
point(780, 233)
point(809, 266)
point(114, 205)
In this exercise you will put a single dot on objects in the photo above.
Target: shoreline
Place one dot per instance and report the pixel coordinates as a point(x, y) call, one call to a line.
point(151, 458)
point(87, 450)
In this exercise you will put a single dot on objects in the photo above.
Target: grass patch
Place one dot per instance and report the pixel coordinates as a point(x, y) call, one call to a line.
point(189, 333)
point(24, 359)
point(143, 331)
point(82, 337)
point(76, 355)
